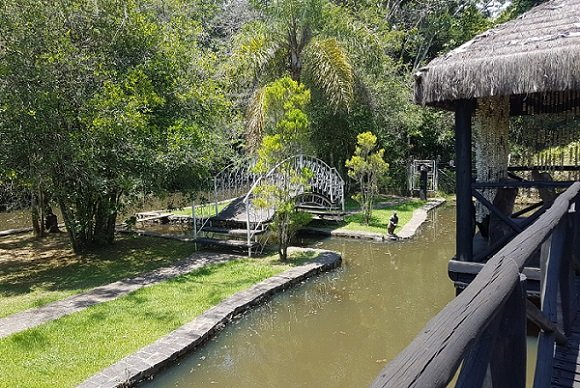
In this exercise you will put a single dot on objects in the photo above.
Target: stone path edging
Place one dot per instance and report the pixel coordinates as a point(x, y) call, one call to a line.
point(150, 359)
point(18, 322)
point(408, 231)
point(419, 217)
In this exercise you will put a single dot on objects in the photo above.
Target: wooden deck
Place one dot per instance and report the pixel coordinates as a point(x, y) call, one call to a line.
point(566, 366)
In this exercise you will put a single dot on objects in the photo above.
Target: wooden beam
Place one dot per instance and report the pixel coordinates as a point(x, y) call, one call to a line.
point(475, 371)
point(527, 209)
point(540, 320)
point(508, 360)
point(464, 231)
point(546, 340)
point(544, 168)
point(494, 210)
point(567, 278)
point(526, 184)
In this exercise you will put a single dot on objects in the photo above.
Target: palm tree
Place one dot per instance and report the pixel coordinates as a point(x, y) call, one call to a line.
point(293, 38)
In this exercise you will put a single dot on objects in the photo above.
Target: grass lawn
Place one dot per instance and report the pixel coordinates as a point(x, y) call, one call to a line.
point(67, 351)
point(379, 220)
point(36, 272)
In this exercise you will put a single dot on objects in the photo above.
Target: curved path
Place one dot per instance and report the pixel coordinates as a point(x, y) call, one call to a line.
point(18, 322)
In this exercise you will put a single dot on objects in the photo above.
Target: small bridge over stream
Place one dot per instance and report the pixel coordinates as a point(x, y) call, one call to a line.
point(236, 218)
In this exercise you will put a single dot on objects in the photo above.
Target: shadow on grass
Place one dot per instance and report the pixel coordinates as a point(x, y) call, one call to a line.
point(27, 265)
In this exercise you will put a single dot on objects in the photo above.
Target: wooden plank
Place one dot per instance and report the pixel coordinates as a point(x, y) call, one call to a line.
point(527, 209)
point(531, 273)
point(464, 229)
point(435, 354)
point(224, 243)
point(567, 279)
point(544, 361)
point(544, 168)
point(508, 360)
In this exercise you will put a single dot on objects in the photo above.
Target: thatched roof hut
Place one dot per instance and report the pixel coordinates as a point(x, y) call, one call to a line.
point(535, 59)
point(527, 66)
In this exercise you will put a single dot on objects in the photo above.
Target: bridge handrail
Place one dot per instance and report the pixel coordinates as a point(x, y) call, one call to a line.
point(268, 212)
point(434, 356)
point(273, 170)
point(230, 171)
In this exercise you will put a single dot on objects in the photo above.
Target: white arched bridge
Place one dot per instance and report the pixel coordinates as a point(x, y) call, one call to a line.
point(236, 216)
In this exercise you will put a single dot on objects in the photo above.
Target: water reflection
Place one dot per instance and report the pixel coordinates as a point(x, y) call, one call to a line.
point(338, 330)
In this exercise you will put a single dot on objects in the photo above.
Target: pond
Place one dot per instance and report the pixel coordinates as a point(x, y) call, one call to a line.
point(339, 329)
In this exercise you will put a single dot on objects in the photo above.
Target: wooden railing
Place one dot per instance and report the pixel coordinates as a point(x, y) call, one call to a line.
point(483, 330)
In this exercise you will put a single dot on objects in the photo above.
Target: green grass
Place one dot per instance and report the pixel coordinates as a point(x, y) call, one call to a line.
point(36, 272)
point(201, 210)
point(379, 220)
point(67, 351)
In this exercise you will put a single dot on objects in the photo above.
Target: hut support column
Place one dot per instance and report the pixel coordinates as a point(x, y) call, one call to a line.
point(464, 231)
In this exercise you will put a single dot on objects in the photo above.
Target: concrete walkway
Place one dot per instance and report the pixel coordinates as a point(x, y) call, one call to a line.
point(37, 316)
point(419, 217)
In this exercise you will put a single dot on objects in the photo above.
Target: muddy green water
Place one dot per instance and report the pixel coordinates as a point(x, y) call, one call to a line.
point(337, 330)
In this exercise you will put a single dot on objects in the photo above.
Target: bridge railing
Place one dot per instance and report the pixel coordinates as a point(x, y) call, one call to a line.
point(325, 181)
point(233, 182)
point(483, 330)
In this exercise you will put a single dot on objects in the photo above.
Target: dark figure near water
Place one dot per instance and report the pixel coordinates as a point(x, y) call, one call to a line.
point(392, 224)
point(51, 222)
point(423, 182)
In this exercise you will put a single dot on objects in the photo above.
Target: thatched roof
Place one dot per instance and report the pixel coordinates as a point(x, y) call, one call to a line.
point(534, 55)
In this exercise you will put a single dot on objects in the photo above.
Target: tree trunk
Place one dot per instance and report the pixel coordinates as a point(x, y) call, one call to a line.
point(295, 52)
point(105, 220)
point(70, 224)
point(38, 213)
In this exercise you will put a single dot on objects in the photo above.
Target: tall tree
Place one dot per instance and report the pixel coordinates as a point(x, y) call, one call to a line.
point(287, 135)
point(367, 166)
point(292, 38)
point(101, 100)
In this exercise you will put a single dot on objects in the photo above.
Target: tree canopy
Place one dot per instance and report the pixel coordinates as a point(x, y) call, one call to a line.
point(102, 100)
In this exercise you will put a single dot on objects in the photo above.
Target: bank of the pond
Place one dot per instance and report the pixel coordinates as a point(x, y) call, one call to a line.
point(337, 330)
point(411, 215)
point(68, 350)
point(150, 359)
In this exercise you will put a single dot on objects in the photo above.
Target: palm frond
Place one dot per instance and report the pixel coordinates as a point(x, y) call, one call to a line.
point(255, 116)
point(330, 69)
point(254, 49)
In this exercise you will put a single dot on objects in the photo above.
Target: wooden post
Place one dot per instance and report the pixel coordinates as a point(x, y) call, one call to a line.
point(508, 361)
point(546, 341)
point(576, 231)
point(475, 371)
point(567, 277)
point(423, 183)
point(464, 222)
